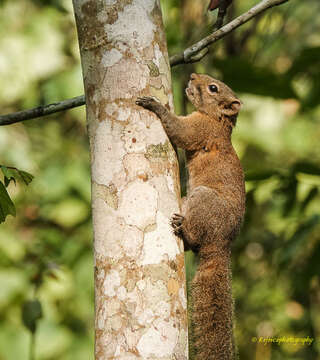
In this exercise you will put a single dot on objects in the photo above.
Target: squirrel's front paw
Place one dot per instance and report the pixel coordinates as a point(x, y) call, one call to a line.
point(176, 223)
point(147, 102)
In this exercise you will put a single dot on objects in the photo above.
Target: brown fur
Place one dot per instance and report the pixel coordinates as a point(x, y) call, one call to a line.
point(214, 208)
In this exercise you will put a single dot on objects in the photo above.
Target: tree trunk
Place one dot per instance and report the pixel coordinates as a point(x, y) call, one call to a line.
point(140, 297)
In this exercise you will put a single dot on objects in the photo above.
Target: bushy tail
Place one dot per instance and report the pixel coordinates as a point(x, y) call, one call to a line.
point(212, 310)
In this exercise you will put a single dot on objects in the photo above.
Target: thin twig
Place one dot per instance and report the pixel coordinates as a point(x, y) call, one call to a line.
point(42, 110)
point(226, 29)
point(191, 54)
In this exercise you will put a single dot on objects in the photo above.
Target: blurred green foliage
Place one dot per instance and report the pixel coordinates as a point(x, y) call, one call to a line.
point(10, 174)
point(273, 62)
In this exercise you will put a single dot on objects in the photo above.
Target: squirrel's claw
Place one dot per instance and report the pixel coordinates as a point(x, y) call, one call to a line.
point(146, 102)
point(176, 223)
point(177, 218)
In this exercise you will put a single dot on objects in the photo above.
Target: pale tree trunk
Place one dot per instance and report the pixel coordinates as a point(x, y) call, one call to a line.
point(140, 297)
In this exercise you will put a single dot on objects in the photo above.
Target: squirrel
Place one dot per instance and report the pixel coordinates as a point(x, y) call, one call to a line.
point(214, 208)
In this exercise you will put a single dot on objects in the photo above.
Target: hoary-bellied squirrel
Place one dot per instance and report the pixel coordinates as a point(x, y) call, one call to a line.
point(213, 209)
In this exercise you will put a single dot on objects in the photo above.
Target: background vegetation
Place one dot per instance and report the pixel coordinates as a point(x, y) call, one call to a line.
point(273, 63)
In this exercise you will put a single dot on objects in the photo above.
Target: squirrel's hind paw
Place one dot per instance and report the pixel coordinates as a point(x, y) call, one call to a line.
point(176, 223)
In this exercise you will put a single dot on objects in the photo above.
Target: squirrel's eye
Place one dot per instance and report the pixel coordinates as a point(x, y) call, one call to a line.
point(213, 88)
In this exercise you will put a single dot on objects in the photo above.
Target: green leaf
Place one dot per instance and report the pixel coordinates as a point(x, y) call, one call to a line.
point(6, 205)
point(9, 175)
point(25, 176)
point(31, 313)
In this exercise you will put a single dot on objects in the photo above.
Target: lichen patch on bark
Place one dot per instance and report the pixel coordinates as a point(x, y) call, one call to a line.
point(160, 94)
point(138, 204)
point(182, 296)
point(124, 79)
point(155, 134)
point(134, 137)
point(111, 283)
point(161, 240)
point(111, 57)
point(159, 340)
point(110, 2)
point(106, 193)
point(133, 26)
point(110, 153)
point(117, 244)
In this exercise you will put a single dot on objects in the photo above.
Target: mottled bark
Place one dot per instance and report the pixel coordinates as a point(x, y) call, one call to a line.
point(140, 296)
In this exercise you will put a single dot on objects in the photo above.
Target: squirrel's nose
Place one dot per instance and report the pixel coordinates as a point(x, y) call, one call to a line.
point(193, 76)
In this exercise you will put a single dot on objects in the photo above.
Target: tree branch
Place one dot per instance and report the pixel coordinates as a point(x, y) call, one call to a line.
point(42, 110)
point(192, 54)
point(185, 57)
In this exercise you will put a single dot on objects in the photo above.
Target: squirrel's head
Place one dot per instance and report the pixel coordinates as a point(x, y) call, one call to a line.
point(213, 97)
